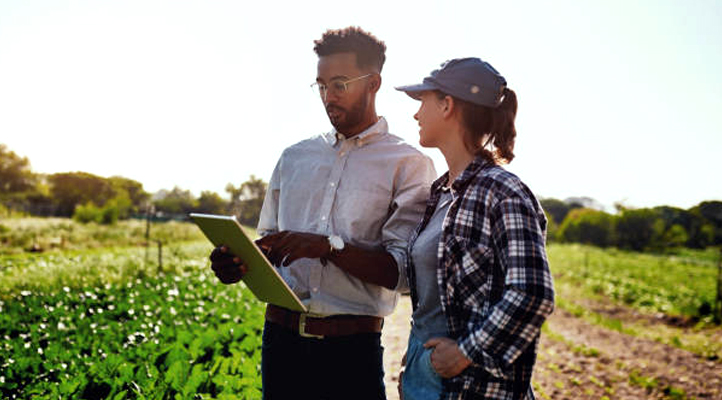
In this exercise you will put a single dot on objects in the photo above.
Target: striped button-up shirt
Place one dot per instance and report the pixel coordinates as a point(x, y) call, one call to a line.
point(369, 189)
point(494, 281)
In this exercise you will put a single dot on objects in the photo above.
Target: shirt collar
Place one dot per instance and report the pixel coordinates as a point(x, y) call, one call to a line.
point(380, 127)
point(477, 164)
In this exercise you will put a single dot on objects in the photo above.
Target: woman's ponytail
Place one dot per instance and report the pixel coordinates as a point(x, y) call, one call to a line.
point(490, 132)
point(503, 130)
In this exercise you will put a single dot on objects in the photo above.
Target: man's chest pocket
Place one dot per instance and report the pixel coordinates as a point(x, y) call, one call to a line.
point(362, 211)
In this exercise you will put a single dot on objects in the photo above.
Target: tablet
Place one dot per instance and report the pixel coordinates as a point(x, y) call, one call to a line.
point(262, 278)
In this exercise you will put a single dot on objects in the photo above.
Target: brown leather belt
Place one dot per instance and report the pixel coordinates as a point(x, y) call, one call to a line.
point(316, 327)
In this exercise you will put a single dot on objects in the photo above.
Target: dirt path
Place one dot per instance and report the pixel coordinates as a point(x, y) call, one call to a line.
point(579, 360)
point(394, 339)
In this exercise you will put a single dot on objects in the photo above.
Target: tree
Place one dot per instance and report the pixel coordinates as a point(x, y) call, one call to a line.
point(584, 202)
point(68, 189)
point(711, 211)
point(675, 220)
point(234, 202)
point(636, 229)
point(558, 209)
point(17, 182)
point(674, 237)
point(15, 173)
point(584, 225)
point(247, 200)
point(137, 197)
point(211, 203)
point(176, 202)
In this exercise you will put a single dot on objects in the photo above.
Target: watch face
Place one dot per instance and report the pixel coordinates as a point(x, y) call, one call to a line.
point(336, 242)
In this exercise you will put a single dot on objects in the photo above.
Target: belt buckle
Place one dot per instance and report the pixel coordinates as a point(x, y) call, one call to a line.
point(302, 328)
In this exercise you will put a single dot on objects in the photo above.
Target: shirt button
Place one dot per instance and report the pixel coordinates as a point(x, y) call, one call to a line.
point(315, 290)
point(323, 218)
point(333, 184)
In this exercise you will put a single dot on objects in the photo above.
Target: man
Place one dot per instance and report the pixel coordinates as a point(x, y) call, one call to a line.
point(335, 220)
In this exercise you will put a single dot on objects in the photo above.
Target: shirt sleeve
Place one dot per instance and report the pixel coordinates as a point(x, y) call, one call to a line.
point(514, 322)
point(412, 186)
point(268, 220)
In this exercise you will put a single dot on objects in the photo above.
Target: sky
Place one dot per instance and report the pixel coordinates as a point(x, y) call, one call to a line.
point(620, 101)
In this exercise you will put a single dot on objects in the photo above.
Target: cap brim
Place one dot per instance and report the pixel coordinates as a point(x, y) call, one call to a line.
point(415, 90)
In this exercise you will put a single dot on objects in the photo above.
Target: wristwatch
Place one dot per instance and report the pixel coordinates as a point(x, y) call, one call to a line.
point(336, 243)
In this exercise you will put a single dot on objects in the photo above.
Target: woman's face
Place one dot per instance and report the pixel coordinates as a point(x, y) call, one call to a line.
point(431, 120)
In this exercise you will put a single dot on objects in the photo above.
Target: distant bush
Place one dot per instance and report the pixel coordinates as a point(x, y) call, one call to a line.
point(557, 210)
point(587, 226)
point(88, 212)
point(639, 229)
point(676, 236)
point(107, 215)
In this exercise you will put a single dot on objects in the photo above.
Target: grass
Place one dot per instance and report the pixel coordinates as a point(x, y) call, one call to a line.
point(20, 235)
point(78, 269)
point(652, 283)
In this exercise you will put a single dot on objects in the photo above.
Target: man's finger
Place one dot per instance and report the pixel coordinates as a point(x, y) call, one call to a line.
point(215, 254)
point(218, 253)
point(433, 342)
point(269, 240)
point(265, 241)
point(290, 257)
point(273, 255)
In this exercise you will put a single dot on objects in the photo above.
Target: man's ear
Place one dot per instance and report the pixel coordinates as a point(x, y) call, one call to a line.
point(375, 82)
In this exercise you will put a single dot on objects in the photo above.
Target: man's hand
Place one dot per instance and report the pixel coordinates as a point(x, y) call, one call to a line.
point(227, 267)
point(285, 247)
point(447, 359)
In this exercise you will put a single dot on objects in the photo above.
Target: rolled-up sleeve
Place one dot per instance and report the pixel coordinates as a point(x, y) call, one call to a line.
point(268, 220)
point(411, 189)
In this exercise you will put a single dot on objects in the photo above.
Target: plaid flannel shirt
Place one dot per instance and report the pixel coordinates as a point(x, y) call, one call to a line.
point(494, 281)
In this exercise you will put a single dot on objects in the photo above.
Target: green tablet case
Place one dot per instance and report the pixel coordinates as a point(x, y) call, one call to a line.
point(262, 278)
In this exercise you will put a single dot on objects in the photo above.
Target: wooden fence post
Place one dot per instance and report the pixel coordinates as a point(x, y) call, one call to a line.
point(718, 300)
point(148, 211)
point(160, 256)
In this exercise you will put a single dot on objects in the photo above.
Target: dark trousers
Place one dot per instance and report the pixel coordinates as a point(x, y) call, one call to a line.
point(295, 367)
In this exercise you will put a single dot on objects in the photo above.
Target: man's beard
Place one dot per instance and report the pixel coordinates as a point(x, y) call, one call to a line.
point(345, 120)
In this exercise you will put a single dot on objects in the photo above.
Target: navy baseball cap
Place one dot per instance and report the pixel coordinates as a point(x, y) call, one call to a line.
point(469, 79)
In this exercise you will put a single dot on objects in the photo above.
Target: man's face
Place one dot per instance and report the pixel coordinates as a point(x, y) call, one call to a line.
point(345, 109)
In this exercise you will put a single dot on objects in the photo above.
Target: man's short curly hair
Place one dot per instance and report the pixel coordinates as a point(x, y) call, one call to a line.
point(369, 50)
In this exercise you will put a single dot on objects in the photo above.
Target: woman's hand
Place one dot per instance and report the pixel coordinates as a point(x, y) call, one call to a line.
point(447, 359)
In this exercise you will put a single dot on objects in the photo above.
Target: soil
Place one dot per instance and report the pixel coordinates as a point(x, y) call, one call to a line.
point(580, 360)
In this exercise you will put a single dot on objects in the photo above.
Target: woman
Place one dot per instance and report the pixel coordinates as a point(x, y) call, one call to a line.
point(478, 272)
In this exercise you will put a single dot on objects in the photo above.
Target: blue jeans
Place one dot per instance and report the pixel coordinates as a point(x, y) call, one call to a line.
point(295, 367)
point(420, 381)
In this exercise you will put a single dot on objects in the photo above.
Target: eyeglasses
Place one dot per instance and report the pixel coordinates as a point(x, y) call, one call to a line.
point(336, 86)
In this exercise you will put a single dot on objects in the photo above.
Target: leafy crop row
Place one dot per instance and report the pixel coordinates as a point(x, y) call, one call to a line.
point(174, 335)
point(654, 283)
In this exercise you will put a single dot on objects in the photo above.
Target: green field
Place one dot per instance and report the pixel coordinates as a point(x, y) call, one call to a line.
point(95, 320)
point(682, 285)
point(19, 235)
